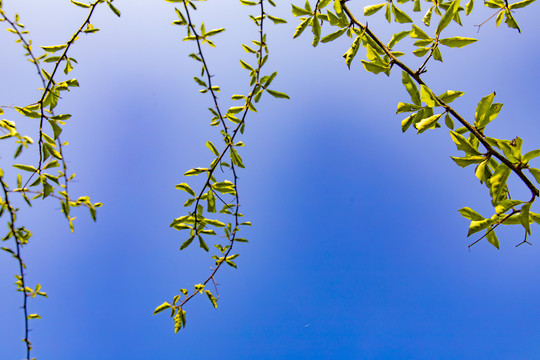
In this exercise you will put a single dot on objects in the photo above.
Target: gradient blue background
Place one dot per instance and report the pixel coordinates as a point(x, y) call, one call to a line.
point(357, 249)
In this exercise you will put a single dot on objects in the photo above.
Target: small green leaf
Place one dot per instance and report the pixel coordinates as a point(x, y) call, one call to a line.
point(450, 96)
point(480, 225)
point(113, 9)
point(25, 167)
point(457, 41)
point(427, 96)
point(162, 307)
point(53, 48)
point(186, 243)
point(427, 123)
point(400, 16)
point(301, 27)
point(202, 243)
point(492, 237)
point(481, 110)
point(212, 148)
point(469, 160)
point(521, 4)
point(333, 36)
point(411, 88)
point(470, 214)
point(351, 53)
point(277, 94)
point(212, 298)
point(469, 7)
point(316, 29)
point(80, 4)
point(186, 188)
point(506, 205)
point(463, 144)
point(449, 122)
point(448, 16)
point(372, 9)
point(497, 183)
point(536, 173)
point(531, 155)
point(297, 11)
point(524, 217)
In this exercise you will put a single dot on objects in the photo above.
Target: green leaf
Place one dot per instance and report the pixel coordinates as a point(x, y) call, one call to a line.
point(427, 17)
point(470, 214)
point(375, 67)
point(186, 188)
point(449, 122)
point(372, 9)
point(277, 94)
point(25, 167)
point(400, 16)
point(469, 7)
point(301, 27)
point(406, 123)
point(297, 11)
point(510, 21)
point(162, 307)
point(524, 218)
point(457, 41)
point(448, 16)
point(195, 171)
point(276, 20)
point(212, 298)
point(466, 161)
point(531, 155)
point(86, 6)
point(333, 36)
point(482, 109)
point(463, 144)
point(417, 33)
point(480, 225)
point(316, 29)
point(397, 37)
point(214, 32)
point(427, 123)
point(27, 112)
point(521, 4)
point(403, 107)
point(235, 158)
point(427, 96)
point(492, 238)
point(497, 183)
point(202, 243)
point(113, 9)
point(351, 53)
point(506, 205)
point(411, 88)
point(480, 171)
point(186, 243)
point(212, 148)
point(450, 95)
point(53, 48)
point(536, 173)
point(215, 223)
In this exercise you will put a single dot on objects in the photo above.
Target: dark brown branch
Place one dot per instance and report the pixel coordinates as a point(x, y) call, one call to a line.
point(18, 246)
point(228, 146)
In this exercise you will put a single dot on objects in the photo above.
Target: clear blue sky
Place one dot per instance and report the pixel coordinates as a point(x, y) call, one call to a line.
point(357, 249)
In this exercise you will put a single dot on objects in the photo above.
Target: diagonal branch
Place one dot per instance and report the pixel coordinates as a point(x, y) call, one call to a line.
point(535, 192)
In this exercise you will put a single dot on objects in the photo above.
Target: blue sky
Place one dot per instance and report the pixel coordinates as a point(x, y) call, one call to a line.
point(357, 249)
